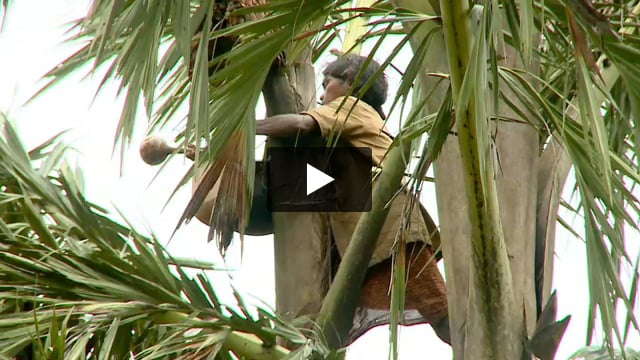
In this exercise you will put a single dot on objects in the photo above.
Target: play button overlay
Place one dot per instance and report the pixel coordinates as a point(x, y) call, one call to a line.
point(318, 179)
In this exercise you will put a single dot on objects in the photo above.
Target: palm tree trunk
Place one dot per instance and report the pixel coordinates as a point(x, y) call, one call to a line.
point(301, 263)
point(517, 149)
point(493, 324)
point(517, 184)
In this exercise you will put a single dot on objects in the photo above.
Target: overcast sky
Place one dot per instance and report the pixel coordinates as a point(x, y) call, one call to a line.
point(31, 44)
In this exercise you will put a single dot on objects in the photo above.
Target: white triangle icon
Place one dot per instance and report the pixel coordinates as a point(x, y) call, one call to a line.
point(316, 179)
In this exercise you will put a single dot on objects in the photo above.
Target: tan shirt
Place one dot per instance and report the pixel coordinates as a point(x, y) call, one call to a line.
point(356, 122)
point(360, 125)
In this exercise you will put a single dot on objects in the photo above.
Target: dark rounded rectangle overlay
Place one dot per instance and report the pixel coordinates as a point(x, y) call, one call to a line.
point(287, 179)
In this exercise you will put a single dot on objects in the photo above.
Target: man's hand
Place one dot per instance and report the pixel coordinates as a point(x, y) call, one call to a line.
point(278, 126)
point(287, 125)
point(190, 152)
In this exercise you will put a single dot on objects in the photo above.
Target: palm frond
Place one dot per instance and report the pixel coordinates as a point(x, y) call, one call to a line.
point(585, 96)
point(599, 141)
point(76, 283)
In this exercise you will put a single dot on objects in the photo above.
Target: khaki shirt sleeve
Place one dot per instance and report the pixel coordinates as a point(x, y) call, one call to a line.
point(332, 118)
point(354, 121)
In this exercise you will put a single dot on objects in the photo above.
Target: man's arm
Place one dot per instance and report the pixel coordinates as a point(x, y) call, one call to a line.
point(287, 125)
point(278, 126)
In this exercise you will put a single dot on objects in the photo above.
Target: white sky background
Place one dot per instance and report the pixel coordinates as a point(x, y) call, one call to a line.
point(30, 44)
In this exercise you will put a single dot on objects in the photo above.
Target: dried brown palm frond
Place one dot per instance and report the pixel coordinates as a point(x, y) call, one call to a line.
point(222, 185)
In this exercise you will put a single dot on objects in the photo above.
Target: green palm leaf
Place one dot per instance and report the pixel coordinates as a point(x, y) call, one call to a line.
point(76, 283)
point(578, 89)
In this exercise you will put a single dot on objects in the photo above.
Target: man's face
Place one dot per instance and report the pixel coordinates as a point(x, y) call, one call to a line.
point(333, 89)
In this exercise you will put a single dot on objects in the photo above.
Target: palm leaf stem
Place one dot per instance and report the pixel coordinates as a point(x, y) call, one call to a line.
point(336, 315)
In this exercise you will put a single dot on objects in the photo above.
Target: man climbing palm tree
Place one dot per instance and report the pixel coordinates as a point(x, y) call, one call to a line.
point(358, 121)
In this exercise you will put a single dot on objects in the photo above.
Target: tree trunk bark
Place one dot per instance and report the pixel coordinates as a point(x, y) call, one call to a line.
point(300, 239)
point(516, 185)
